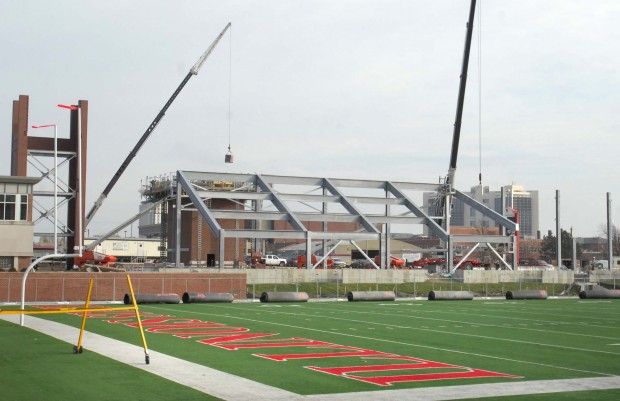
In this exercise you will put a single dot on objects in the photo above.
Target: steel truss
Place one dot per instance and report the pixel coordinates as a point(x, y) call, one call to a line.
point(270, 198)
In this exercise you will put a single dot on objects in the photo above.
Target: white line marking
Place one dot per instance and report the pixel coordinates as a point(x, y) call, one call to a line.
point(594, 302)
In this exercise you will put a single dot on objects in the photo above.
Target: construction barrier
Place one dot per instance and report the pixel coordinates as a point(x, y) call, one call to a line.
point(526, 294)
point(153, 299)
point(371, 296)
point(205, 297)
point(599, 294)
point(450, 296)
point(284, 297)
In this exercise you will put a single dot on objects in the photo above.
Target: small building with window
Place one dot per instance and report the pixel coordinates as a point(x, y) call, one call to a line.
point(16, 226)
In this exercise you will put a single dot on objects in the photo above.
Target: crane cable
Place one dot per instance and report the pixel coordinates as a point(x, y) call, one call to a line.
point(480, 93)
point(229, 85)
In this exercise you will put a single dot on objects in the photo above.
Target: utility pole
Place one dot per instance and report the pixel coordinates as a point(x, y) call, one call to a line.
point(558, 230)
point(610, 235)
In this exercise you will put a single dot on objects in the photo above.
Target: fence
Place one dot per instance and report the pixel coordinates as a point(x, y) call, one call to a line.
point(607, 278)
point(72, 286)
point(405, 283)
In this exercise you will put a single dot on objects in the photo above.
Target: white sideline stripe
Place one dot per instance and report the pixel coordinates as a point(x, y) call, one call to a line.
point(234, 388)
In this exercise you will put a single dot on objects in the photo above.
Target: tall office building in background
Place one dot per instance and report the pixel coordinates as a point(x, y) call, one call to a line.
point(524, 201)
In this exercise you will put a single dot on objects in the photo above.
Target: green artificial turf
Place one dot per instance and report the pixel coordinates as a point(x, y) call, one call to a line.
point(532, 340)
point(34, 366)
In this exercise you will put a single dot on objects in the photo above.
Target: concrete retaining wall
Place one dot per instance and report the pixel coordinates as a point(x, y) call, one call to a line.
point(510, 276)
point(354, 276)
point(596, 276)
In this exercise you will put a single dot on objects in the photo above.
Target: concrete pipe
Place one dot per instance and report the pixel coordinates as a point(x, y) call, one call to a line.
point(284, 297)
point(599, 294)
point(450, 296)
point(153, 299)
point(205, 297)
point(371, 296)
point(526, 294)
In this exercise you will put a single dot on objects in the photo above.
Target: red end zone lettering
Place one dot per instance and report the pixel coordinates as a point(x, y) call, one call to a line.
point(243, 341)
point(461, 373)
point(186, 328)
point(353, 351)
point(237, 338)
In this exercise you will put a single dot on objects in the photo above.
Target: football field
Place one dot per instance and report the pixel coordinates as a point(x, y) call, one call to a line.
point(333, 350)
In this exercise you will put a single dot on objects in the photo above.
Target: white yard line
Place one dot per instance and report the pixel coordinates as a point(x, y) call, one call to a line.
point(234, 388)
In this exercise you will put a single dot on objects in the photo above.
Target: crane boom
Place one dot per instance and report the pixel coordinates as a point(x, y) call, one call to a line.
point(439, 204)
point(461, 97)
point(193, 71)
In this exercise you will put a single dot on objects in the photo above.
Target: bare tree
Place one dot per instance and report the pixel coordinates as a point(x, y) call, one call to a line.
point(615, 237)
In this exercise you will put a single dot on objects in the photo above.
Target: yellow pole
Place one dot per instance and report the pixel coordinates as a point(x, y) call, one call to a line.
point(135, 305)
point(78, 349)
point(61, 310)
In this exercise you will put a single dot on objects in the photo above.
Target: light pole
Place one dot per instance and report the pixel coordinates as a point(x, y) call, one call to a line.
point(55, 181)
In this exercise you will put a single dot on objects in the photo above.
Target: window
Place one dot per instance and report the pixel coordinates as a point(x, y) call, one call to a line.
point(6, 262)
point(23, 208)
point(120, 246)
point(13, 207)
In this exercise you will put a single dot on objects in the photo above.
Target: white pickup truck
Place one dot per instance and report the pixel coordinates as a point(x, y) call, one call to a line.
point(272, 260)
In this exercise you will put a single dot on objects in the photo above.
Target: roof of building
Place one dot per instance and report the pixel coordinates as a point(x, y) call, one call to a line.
point(15, 179)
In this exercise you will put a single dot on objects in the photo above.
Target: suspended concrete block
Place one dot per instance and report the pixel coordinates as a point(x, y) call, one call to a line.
point(526, 294)
point(284, 297)
point(450, 296)
point(153, 299)
point(371, 296)
point(599, 294)
point(205, 297)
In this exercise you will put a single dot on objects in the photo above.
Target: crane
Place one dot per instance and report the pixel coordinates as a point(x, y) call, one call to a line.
point(193, 71)
point(444, 200)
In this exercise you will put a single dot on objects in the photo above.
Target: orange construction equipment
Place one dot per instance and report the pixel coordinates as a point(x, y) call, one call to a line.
point(301, 262)
point(96, 258)
point(394, 262)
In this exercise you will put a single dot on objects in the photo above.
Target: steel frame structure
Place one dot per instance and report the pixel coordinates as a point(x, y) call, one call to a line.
point(34, 150)
point(268, 198)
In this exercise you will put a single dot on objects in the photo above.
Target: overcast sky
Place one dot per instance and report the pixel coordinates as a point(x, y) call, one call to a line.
point(343, 89)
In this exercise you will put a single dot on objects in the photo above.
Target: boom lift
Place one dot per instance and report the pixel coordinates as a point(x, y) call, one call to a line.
point(193, 71)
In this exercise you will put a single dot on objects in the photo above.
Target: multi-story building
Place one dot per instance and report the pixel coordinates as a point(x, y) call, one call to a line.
point(16, 226)
point(524, 201)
